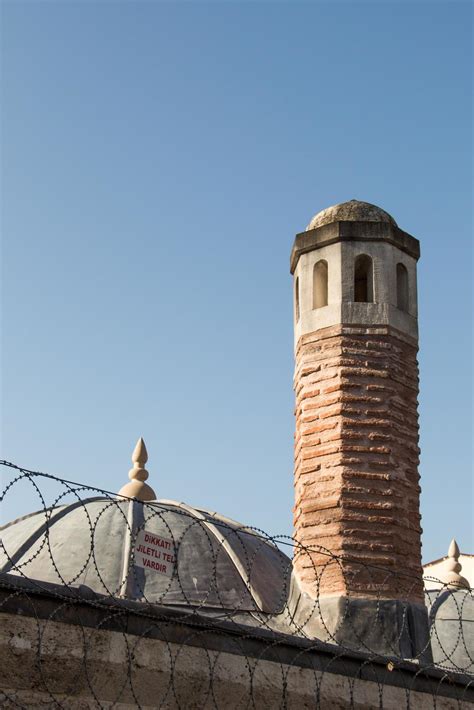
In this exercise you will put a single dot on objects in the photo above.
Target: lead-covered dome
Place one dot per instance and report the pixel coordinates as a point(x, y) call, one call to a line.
point(351, 211)
point(137, 547)
point(161, 552)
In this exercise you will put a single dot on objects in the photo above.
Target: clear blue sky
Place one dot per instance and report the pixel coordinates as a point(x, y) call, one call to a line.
point(158, 159)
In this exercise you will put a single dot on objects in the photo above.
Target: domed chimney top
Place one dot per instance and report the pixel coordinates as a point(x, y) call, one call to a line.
point(352, 211)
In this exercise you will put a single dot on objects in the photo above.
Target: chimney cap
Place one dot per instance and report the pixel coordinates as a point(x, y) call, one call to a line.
point(351, 211)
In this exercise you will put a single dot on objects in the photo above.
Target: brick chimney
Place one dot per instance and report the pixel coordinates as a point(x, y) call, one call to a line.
point(356, 385)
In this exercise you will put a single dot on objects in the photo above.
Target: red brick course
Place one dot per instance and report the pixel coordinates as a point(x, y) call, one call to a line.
point(356, 463)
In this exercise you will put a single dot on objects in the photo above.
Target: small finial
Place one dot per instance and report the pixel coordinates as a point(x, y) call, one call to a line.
point(452, 568)
point(453, 550)
point(139, 459)
point(137, 488)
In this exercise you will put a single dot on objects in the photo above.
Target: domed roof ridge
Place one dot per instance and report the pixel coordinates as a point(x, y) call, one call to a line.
point(351, 211)
point(44, 518)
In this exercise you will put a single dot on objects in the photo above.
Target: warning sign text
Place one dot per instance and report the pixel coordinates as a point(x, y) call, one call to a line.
point(154, 552)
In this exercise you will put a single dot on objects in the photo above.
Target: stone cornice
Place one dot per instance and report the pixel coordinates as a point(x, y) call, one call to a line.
point(353, 231)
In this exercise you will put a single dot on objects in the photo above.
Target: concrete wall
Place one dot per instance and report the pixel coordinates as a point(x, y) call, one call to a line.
point(44, 662)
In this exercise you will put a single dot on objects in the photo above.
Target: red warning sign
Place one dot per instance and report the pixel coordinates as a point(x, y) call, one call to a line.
point(154, 552)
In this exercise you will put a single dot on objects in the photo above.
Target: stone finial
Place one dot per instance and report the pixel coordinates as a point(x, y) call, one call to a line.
point(452, 568)
point(137, 488)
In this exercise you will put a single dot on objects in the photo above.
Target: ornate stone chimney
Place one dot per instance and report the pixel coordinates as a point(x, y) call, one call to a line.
point(356, 386)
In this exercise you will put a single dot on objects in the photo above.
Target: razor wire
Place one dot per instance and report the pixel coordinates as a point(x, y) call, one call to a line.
point(221, 606)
